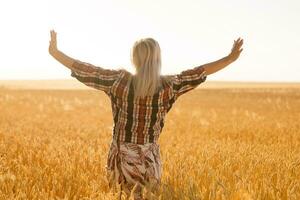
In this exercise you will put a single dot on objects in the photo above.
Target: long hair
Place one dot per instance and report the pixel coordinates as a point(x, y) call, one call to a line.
point(146, 57)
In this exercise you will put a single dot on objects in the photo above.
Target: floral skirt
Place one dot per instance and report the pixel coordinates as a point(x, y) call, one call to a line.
point(134, 167)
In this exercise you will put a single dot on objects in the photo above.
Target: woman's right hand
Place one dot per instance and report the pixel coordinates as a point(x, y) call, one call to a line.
point(235, 51)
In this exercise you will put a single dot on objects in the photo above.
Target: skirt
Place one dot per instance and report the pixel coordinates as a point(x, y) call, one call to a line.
point(134, 167)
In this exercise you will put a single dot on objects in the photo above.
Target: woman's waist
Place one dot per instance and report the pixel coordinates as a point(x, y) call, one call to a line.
point(135, 138)
point(133, 144)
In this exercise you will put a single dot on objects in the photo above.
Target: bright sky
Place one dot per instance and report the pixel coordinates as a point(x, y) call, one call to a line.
point(190, 33)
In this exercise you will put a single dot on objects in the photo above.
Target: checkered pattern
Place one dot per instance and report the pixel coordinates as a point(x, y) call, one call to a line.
point(141, 120)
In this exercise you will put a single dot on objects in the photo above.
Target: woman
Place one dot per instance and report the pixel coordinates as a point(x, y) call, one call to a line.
point(140, 103)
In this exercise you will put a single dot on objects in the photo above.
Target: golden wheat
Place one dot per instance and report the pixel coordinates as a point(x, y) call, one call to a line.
point(216, 144)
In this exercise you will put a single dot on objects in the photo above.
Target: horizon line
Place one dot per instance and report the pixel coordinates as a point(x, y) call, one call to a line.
point(227, 81)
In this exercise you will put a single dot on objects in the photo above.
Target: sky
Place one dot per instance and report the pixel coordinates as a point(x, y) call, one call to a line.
point(190, 33)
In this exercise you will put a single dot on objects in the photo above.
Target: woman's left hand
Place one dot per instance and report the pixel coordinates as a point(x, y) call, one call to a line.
point(53, 42)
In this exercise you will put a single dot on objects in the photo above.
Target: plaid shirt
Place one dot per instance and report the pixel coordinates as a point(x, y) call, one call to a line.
point(137, 121)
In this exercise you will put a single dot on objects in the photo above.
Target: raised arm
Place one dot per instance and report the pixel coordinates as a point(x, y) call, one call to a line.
point(58, 55)
point(215, 66)
point(92, 76)
point(191, 78)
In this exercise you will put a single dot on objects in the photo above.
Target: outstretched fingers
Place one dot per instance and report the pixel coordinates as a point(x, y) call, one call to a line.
point(236, 49)
point(240, 42)
point(53, 35)
point(52, 42)
point(237, 44)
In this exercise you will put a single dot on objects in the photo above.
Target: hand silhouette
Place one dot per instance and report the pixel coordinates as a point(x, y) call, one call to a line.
point(235, 51)
point(53, 42)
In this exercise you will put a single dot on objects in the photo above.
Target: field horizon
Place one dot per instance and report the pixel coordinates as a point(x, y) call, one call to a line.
point(74, 84)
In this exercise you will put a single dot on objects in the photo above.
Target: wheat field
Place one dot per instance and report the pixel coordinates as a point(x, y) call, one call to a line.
point(230, 143)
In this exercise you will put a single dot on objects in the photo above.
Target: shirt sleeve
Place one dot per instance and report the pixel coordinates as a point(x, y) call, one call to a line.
point(94, 76)
point(188, 80)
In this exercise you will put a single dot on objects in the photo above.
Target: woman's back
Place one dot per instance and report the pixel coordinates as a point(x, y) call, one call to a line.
point(139, 120)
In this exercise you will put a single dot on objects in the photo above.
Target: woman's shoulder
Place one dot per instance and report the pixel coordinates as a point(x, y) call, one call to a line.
point(168, 79)
point(125, 75)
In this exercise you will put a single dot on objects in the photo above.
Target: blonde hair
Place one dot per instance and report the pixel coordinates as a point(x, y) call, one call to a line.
point(146, 57)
